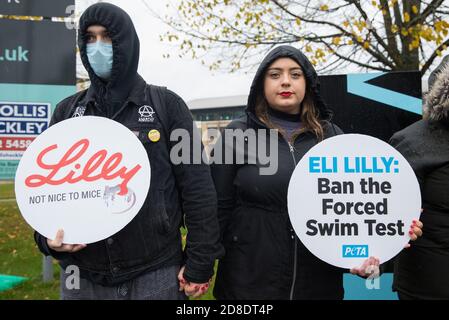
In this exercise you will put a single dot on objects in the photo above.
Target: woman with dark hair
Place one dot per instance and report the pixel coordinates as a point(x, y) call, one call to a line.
point(422, 271)
point(264, 258)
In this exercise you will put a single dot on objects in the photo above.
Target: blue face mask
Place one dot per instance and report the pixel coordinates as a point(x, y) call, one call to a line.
point(100, 57)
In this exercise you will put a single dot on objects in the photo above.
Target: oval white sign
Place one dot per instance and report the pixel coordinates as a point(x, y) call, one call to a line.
point(351, 197)
point(87, 175)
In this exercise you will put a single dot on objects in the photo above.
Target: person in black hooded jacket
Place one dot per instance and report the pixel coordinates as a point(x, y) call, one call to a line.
point(264, 258)
point(422, 271)
point(145, 259)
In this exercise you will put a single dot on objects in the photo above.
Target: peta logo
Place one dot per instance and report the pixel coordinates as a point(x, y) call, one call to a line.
point(355, 251)
point(146, 114)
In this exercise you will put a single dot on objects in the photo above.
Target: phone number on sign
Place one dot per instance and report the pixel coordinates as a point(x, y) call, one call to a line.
point(15, 144)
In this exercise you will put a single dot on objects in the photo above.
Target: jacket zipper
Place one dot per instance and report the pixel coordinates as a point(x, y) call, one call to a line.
point(295, 254)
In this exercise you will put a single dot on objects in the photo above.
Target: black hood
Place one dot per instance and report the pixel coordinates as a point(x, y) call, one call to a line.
point(126, 47)
point(309, 72)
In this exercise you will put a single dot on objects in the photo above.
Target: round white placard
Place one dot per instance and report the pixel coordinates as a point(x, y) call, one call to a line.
point(353, 196)
point(87, 175)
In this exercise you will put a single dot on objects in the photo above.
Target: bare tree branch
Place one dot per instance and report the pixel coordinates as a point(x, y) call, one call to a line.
point(433, 56)
point(390, 35)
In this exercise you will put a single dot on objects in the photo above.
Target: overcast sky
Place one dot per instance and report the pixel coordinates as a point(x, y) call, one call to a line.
point(186, 77)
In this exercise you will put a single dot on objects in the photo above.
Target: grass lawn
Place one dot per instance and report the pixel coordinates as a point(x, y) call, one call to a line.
point(7, 191)
point(19, 255)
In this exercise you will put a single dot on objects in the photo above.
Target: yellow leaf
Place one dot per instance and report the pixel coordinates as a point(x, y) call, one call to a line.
point(415, 9)
point(319, 54)
point(336, 41)
point(439, 26)
point(406, 17)
point(324, 7)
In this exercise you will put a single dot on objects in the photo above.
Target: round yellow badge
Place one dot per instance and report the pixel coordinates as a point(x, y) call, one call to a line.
point(154, 135)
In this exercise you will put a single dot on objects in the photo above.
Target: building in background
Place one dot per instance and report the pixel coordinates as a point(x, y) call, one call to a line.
point(216, 113)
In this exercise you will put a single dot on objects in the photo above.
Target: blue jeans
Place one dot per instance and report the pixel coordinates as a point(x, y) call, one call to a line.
point(161, 284)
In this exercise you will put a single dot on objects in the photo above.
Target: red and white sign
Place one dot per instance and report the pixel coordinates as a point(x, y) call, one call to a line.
point(87, 175)
point(15, 143)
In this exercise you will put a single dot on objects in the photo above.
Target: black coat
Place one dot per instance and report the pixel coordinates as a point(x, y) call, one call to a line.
point(422, 270)
point(152, 239)
point(264, 258)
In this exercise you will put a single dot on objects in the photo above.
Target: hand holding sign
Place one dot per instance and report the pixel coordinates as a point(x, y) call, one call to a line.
point(58, 245)
point(91, 182)
point(370, 266)
point(415, 231)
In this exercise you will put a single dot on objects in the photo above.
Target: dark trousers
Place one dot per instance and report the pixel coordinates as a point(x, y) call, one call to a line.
point(160, 284)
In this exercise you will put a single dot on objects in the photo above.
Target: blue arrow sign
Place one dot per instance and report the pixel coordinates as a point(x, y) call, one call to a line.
point(357, 85)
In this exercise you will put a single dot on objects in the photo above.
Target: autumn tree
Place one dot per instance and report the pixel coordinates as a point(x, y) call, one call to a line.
point(383, 35)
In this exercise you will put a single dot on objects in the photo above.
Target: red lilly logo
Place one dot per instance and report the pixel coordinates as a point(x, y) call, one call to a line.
point(109, 170)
